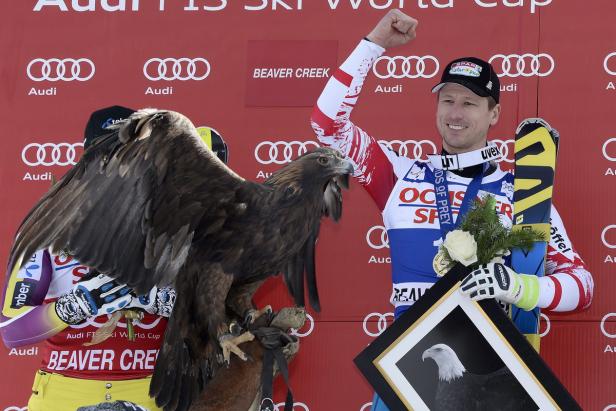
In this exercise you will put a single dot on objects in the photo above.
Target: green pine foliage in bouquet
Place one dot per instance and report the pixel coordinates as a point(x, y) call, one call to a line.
point(493, 240)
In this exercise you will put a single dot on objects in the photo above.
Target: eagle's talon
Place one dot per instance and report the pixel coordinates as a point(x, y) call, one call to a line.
point(249, 318)
point(253, 314)
point(235, 329)
point(229, 344)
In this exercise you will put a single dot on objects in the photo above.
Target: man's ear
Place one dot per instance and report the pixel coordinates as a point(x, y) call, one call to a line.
point(495, 113)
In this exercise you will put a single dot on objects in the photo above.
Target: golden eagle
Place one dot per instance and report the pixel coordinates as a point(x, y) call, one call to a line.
point(149, 204)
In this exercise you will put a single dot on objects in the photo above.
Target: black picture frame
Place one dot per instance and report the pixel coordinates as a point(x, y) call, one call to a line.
point(500, 365)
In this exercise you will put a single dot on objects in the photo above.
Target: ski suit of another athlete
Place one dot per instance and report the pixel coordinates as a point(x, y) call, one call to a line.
point(73, 373)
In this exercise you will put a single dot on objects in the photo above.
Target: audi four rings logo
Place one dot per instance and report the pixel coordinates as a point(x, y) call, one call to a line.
point(603, 236)
point(297, 406)
point(50, 154)
point(381, 323)
point(525, 65)
point(281, 152)
point(304, 333)
point(604, 149)
point(54, 69)
point(548, 325)
point(91, 321)
point(183, 69)
point(376, 237)
point(405, 67)
point(415, 149)
point(603, 321)
point(506, 148)
point(606, 64)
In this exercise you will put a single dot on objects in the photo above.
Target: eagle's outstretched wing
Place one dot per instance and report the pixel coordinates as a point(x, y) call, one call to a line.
point(131, 204)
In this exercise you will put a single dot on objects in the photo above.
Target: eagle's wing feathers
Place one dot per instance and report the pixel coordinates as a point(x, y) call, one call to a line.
point(128, 208)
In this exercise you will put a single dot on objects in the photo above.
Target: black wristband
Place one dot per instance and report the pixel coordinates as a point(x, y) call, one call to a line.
point(367, 39)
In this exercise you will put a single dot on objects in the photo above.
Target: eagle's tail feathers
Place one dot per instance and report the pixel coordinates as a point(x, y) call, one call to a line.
point(179, 375)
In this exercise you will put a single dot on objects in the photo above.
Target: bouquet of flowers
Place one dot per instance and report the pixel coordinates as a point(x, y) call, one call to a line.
point(481, 238)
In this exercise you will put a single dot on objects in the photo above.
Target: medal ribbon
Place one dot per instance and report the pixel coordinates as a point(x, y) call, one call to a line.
point(438, 178)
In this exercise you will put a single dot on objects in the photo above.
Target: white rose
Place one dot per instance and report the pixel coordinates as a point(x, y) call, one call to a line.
point(461, 247)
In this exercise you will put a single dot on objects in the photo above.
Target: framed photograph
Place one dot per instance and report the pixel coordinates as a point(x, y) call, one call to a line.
point(448, 352)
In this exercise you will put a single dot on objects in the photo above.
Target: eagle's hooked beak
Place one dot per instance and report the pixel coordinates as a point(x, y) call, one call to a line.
point(345, 169)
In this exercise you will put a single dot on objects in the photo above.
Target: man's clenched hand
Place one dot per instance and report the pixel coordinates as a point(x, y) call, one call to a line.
point(394, 29)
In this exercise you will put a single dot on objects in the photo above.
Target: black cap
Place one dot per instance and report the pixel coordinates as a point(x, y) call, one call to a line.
point(473, 73)
point(101, 119)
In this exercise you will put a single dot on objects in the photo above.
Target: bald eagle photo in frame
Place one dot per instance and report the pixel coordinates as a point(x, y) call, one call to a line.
point(448, 352)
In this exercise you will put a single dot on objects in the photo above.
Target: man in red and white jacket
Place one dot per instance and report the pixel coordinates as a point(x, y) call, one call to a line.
point(408, 192)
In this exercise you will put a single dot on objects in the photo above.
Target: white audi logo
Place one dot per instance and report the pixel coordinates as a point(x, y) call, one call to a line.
point(525, 65)
point(605, 154)
point(297, 406)
point(91, 321)
point(376, 237)
point(603, 235)
point(50, 154)
point(506, 148)
point(366, 406)
point(603, 321)
point(281, 152)
point(304, 333)
point(415, 149)
point(548, 325)
point(54, 69)
point(405, 67)
point(606, 64)
point(610, 407)
point(182, 69)
point(381, 323)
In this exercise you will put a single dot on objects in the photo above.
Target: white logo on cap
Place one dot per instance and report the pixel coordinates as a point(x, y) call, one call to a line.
point(465, 68)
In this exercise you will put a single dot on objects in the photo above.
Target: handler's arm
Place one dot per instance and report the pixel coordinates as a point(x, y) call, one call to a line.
point(26, 319)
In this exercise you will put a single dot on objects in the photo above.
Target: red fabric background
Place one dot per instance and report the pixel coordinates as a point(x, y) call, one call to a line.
point(577, 97)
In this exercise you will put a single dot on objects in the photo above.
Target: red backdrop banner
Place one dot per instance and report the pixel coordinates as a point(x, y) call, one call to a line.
point(252, 69)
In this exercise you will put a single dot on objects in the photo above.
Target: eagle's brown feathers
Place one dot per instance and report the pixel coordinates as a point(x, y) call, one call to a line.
point(149, 204)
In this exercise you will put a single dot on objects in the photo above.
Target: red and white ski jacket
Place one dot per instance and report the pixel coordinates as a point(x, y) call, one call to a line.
point(406, 199)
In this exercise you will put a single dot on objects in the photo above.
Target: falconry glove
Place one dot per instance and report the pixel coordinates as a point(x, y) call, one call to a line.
point(96, 296)
point(496, 280)
point(159, 301)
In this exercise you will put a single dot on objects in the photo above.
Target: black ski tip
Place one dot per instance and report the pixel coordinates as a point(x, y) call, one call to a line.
point(530, 124)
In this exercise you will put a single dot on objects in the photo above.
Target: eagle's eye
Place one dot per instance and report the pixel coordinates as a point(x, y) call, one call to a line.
point(323, 160)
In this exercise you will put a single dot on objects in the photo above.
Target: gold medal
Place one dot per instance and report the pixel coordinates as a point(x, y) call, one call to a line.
point(440, 264)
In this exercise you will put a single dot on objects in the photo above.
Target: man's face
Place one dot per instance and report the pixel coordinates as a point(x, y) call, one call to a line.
point(463, 118)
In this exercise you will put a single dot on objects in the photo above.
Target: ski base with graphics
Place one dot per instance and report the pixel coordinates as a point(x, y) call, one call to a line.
point(536, 147)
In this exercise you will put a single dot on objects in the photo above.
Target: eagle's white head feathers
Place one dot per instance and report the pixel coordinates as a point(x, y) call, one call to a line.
point(449, 366)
